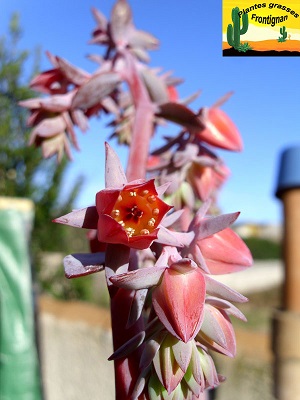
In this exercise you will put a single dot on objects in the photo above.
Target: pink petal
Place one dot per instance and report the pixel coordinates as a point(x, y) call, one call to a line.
point(114, 173)
point(218, 289)
point(157, 89)
point(80, 119)
point(77, 265)
point(209, 369)
point(110, 231)
point(139, 279)
point(137, 305)
point(169, 238)
point(83, 218)
point(143, 241)
point(121, 20)
point(182, 353)
point(30, 103)
point(70, 129)
point(57, 144)
point(171, 218)
point(106, 199)
point(200, 178)
point(58, 102)
point(151, 348)
point(141, 39)
point(226, 306)
point(129, 346)
point(218, 331)
point(211, 225)
point(48, 127)
point(100, 19)
point(180, 114)
point(71, 72)
point(166, 367)
point(95, 89)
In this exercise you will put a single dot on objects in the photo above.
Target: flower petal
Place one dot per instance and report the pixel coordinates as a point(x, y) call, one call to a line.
point(211, 225)
point(114, 173)
point(226, 306)
point(182, 353)
point(138, 279)
point(77, 265)
point(128, 347)
point(218, 289)
point(95, 89)
point(137, 306)
point(166, 367)
point(217, 332)
point(83, 218)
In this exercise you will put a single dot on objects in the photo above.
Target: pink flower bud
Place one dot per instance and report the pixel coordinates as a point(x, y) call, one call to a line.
point(225, 252)
point(179, 299)
point(220, 131)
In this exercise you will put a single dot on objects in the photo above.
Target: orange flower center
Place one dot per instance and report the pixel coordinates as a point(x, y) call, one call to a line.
point(137, 211)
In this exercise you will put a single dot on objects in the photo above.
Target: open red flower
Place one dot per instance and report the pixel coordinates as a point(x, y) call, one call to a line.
point(125, 213)
point(130, 215)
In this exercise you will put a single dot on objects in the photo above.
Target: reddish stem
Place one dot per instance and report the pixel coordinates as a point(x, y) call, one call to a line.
point(143, 122)
point(127, 370)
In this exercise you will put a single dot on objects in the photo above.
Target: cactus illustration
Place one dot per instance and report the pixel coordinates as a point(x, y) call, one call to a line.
point(234, 32)
point(283, 34)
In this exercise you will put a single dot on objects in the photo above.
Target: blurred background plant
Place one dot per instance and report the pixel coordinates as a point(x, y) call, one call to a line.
point(23, 173)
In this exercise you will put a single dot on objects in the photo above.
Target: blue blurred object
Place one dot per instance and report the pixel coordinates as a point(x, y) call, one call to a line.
point(289, 170)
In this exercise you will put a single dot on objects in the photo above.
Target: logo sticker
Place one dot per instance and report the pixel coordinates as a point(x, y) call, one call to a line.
point(261, 29)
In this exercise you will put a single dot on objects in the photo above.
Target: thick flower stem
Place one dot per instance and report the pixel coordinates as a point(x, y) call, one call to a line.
point(143, 123)
point(126, 369)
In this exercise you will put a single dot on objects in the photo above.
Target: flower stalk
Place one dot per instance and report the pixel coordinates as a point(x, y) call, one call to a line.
point(153, 229)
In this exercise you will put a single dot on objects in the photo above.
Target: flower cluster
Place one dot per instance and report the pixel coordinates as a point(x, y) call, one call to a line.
point(187, 311)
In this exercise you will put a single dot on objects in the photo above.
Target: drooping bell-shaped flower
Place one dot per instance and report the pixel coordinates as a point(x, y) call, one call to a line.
point(220, 131)
point(178, 293)
point(217, 332)
point(225, 252)
point(179, 299)
point(206, 179)
point(216, 247)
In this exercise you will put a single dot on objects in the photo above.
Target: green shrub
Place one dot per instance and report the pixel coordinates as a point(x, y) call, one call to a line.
point(263, 249)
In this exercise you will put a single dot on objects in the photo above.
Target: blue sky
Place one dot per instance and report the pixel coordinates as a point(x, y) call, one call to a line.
point(265, 105)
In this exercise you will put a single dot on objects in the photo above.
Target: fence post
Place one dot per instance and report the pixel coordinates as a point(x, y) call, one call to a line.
point(286, 322)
